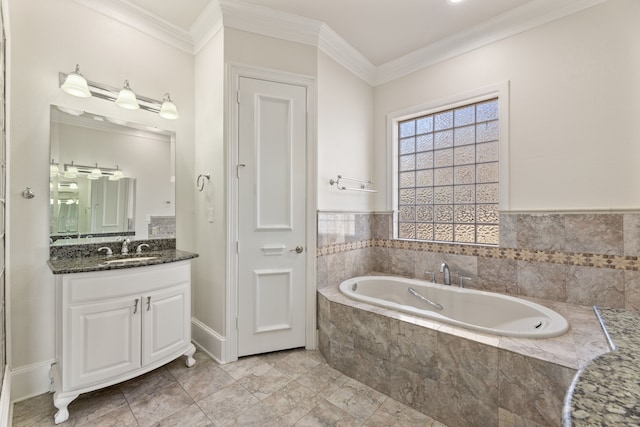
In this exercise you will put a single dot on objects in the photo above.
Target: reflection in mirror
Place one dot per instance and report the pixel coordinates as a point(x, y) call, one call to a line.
point(109, 179)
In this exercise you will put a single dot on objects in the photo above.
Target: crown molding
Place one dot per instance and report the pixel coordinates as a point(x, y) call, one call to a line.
point(270, 22)
point(343, 53)
point(139, 19)
point(526, 17)
point(286, 26)
point(206, 26)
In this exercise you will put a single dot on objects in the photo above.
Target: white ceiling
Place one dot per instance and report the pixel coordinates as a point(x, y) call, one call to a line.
point(382, 30)
point(377, 40)
point(181, 13)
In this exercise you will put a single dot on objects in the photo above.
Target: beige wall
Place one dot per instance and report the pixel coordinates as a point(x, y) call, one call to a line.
point(46, 37)
point(345, 135)
point(209, 270)
point(228, 47)
point(574, 101)
point(246, 48)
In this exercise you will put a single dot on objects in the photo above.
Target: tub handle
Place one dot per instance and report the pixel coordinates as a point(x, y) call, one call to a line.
point(420, 297)
point(432, 274)
point(461, 281)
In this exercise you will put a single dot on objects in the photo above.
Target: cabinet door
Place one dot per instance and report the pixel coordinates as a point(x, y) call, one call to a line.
point(166, 322)
point(104, 341)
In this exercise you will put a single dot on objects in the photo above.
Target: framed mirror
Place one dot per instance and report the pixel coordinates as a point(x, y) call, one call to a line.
point(109, 179)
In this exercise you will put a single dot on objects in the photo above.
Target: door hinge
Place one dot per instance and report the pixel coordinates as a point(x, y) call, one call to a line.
point(238, 96)
point(236, 323)
point(237, 247)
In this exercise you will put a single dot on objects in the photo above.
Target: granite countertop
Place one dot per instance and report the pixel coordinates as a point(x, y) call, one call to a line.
point(67, 265)
point(607, 391)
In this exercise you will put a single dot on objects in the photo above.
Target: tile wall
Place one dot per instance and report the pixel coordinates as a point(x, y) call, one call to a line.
point(456, 376)
point(579, 258)
point(570, 261)
point(162, 227)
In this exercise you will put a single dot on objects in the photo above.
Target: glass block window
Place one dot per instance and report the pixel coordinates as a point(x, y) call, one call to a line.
point(448, 175)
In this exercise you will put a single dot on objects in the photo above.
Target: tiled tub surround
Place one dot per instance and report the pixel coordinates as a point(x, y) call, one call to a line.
point(584, 259)
point(456, 376)
point(567, 261)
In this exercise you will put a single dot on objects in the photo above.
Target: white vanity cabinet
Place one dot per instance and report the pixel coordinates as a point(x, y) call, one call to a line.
point(117, 324)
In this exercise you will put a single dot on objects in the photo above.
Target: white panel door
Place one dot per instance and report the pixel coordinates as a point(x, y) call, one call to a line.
point(109, 212)
point(271, 188)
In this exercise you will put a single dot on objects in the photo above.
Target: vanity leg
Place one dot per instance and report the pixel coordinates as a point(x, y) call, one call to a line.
point(61, 401)
point(190, 361)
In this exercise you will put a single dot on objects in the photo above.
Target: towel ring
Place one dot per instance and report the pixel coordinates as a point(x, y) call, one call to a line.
point(200, 181)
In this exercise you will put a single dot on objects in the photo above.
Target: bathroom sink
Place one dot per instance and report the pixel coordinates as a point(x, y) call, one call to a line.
point(129, 260)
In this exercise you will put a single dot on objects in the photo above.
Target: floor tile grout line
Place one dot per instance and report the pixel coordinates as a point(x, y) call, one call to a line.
point(334, 381)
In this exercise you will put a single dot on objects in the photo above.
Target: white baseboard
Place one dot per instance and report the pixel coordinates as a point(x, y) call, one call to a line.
point(30, 380)
point(5, 398)
point(208, 340)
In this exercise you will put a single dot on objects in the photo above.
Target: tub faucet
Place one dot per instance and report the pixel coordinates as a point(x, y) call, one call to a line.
point(444, 268)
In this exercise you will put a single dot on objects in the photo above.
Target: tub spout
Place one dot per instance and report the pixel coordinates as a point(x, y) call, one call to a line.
point(444, 268)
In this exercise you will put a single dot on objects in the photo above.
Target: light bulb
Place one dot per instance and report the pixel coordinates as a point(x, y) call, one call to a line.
point(71, 171)
point(54, 170)
point(168, 110)
point(75, 84)
point(126, 98)
point(117, 174)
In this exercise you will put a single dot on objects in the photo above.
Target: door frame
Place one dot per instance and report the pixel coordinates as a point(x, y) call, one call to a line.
point(234, 73)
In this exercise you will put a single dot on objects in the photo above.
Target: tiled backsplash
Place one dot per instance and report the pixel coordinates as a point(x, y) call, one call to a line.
point(581, 258)
point(162, 227)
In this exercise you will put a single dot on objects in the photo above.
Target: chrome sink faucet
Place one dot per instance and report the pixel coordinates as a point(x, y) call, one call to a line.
point(140, 246)
point(125, 246)
point(444, 268)
point(106, 249)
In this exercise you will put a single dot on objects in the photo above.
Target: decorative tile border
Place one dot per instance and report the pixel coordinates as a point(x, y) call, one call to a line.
point(617, 262)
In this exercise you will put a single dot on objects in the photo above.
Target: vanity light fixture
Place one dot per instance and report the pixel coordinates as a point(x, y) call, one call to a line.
point(70, 171)
point(95, 173)
point(54, 169)
point(92, 172)
point(124, 97)
point(75, 84)
point(117, 174)
point(66, 186)
point(168, 110)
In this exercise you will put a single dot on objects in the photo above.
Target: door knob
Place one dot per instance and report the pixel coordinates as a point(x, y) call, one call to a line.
point(297, 250)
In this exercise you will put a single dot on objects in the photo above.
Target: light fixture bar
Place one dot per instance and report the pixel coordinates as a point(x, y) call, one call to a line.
point(110, 93)
point(88, 169)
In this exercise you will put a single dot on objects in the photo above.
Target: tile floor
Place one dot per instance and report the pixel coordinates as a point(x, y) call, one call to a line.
point(289, 388)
